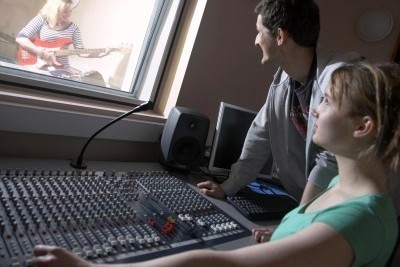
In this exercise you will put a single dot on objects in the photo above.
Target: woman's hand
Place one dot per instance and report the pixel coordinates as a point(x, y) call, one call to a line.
point(49, 57)
point(262, 234)
point(49, 256)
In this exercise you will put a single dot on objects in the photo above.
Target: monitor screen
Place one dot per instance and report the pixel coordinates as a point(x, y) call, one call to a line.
point(230, 132)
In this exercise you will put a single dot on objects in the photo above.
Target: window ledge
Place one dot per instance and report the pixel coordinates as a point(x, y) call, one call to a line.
point(24, 110)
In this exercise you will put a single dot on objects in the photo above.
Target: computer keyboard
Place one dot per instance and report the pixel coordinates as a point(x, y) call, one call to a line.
point(261, 200)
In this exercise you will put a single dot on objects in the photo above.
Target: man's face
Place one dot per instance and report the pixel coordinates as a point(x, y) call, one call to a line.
point(267, 42)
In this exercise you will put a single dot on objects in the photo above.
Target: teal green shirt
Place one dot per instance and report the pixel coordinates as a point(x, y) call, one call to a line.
point(368, 223)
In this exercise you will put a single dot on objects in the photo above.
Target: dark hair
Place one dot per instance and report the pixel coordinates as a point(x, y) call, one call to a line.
point(373, 90)
point(299, 17)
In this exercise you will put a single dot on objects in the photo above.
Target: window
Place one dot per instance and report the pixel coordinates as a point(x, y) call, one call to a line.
point(136, 33)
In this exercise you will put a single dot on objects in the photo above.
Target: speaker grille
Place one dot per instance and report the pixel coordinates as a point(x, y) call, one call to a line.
point(183, 139)
point(186, 150)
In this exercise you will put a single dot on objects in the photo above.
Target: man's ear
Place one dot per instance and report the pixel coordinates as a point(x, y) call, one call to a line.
point(364, 127)
point(281, 36)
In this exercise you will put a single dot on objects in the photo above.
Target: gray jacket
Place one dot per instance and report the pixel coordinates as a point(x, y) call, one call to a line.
point(272, 132)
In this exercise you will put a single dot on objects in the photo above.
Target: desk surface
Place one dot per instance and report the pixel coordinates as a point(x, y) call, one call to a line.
point(191, 180)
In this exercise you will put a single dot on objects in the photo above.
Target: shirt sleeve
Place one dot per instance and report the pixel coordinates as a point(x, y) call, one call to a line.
point(354, 223)
point(32, 29)
point(77, 38)
point(255, 153)
point(324, 170)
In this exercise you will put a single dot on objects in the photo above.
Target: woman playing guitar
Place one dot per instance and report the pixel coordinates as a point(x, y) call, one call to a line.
point(45, 39)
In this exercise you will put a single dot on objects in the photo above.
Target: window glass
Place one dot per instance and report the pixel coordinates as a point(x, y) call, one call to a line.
point(112, 49)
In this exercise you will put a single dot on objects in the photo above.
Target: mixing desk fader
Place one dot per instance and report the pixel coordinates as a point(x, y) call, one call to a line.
point(106, 216)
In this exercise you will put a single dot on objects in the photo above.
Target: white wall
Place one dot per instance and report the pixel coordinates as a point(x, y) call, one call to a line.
point(112, 24)
point(9, 10)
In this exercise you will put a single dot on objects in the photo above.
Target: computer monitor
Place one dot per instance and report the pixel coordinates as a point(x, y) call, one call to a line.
point(231, 129)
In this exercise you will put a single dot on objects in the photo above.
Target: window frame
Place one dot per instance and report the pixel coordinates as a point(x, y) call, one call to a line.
point(12, 75)
point(27, 103)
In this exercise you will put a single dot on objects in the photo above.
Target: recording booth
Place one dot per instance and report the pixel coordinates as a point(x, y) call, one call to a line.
point(136, 199)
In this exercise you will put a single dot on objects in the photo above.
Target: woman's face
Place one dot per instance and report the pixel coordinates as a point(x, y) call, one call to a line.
point(65, 14)
point(334, 126)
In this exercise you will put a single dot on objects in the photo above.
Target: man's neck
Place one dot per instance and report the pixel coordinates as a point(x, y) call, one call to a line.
point(297, 62)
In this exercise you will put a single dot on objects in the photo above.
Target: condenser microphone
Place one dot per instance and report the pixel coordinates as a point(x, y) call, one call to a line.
point(78, 163)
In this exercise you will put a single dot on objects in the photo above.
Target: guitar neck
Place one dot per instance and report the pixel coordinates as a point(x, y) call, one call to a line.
point(70, 52)
point(57, 47)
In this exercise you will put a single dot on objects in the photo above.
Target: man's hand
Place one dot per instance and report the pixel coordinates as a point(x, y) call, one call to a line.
point(49, 256)
point(210, 188)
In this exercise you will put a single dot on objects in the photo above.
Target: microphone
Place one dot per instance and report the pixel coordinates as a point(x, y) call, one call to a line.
point(78, 163)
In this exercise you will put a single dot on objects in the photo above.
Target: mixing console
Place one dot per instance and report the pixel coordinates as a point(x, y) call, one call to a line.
point(106, 216)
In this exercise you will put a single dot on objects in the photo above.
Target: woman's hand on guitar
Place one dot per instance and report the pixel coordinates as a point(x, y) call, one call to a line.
point(50, 58)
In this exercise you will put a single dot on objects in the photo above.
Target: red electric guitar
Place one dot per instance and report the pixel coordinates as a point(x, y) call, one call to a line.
point(58, 47)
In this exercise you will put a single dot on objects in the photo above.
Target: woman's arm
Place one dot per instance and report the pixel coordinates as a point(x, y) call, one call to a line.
point(317, 245)
point(46, 55)
point(27, 34)
point(29, 46)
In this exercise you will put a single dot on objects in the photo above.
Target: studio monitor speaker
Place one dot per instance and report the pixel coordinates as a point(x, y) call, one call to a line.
point(184, 137)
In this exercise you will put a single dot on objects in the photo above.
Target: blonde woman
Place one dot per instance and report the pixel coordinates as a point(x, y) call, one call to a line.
point(50, 37)
point(51, 29)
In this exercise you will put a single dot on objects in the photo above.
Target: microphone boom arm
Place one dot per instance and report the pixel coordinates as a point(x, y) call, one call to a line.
point(78, 164)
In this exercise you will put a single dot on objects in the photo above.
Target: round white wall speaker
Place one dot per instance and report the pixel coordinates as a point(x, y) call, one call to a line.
point(374, 24)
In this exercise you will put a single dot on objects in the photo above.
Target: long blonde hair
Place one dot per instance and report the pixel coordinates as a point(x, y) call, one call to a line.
point(52, 9)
